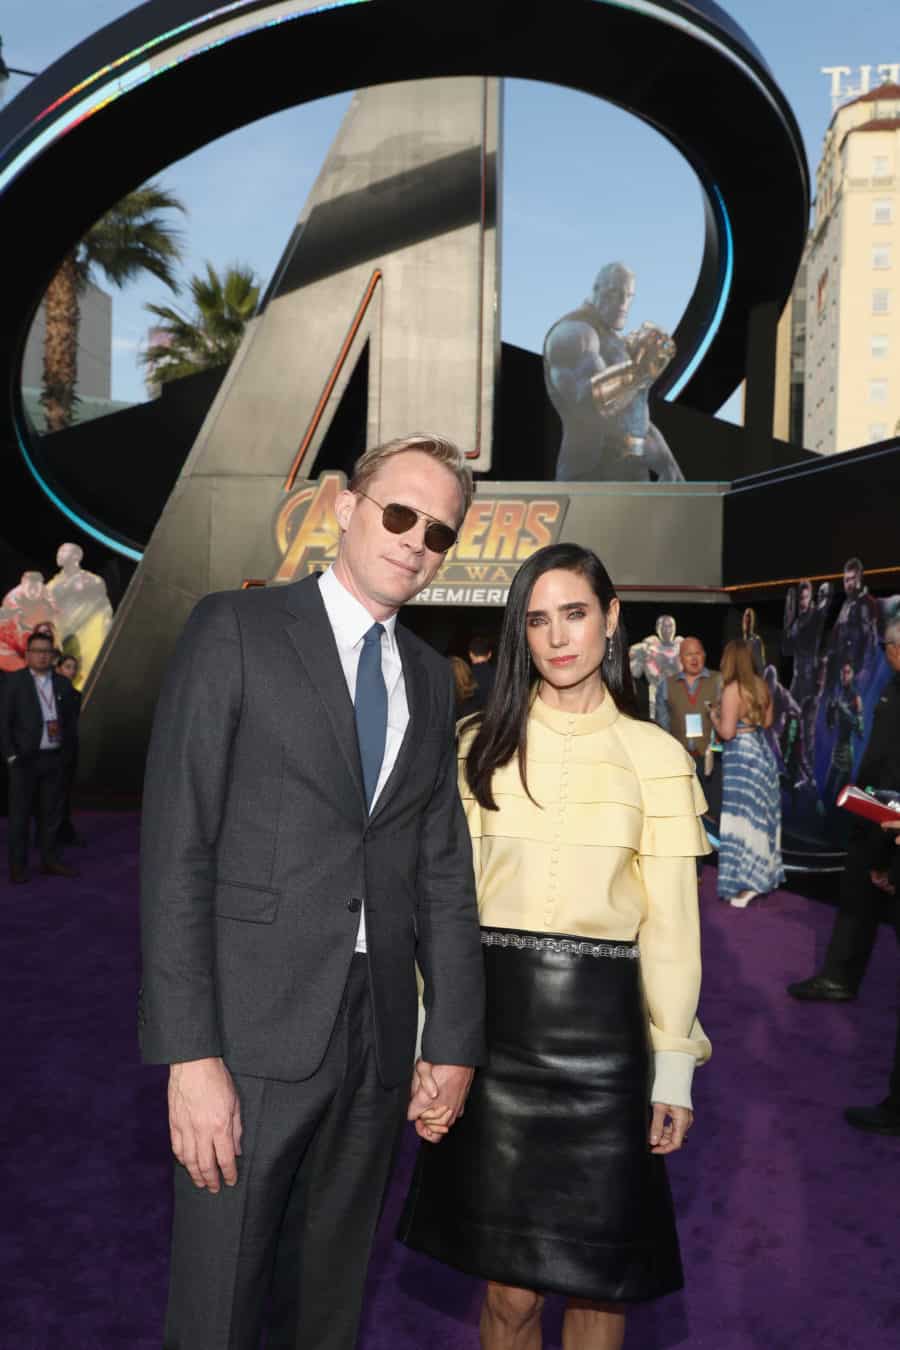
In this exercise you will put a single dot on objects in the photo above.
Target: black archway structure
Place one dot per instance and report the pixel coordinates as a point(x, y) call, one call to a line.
point(173, 75)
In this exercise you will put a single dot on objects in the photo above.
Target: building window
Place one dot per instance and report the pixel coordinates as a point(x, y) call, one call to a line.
point(878, 391)
point(881, 167)
point(882, 211)
point(881, 256)
point(881, 302)
point(879, 346)
point(877, 432)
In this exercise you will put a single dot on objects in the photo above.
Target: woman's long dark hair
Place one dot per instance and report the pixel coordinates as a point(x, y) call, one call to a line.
point(503, 731)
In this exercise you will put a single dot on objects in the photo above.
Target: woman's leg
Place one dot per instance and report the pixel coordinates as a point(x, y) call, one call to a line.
point(593, 1326)
point(511, 1318)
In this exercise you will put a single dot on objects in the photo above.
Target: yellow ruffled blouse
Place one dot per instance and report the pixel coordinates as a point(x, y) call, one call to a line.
point(609, 852)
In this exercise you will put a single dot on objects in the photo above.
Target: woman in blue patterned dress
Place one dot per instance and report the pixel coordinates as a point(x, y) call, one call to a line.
point(750, 827)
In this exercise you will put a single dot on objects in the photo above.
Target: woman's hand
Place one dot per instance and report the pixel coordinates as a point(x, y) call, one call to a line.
point(438, 1097)
point(434, 1123)
point(669, 1127)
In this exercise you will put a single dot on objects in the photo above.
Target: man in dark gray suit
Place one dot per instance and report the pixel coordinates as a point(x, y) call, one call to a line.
point(38, 729)
point(303, 846)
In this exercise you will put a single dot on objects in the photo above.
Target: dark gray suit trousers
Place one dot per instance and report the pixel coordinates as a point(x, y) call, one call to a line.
point(316, 1158)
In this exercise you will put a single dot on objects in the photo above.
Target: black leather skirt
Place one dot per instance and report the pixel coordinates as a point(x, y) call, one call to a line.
point(547, 1181)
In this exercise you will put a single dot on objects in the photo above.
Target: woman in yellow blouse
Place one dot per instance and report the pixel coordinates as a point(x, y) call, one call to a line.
point(585, 826)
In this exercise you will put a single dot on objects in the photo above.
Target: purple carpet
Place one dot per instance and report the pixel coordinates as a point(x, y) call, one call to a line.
point(789, 1219)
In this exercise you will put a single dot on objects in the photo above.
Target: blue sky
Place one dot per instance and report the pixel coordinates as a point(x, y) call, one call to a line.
point(562, 218)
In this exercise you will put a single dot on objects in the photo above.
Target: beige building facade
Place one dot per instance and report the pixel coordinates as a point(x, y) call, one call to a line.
point(94, 346)
point(851, 393)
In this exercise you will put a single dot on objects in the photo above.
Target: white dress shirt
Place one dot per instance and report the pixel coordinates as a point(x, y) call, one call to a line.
point(47, 698)
point(350, 621)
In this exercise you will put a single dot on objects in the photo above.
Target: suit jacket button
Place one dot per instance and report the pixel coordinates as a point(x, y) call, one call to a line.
point(354, 905)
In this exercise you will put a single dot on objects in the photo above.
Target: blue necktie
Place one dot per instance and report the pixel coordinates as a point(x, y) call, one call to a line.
point(370, 707)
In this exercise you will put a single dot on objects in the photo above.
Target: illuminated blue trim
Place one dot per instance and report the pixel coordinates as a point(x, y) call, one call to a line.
point(727, 276)
point(107, 539)
point(95, 92)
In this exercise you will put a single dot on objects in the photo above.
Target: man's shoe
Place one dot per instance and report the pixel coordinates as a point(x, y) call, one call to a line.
point(821, 989)
point(17, 875)
point(57, 869)
point(881, 1119)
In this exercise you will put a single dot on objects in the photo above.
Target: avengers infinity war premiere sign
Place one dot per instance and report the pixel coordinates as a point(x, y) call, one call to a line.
point(499, 532)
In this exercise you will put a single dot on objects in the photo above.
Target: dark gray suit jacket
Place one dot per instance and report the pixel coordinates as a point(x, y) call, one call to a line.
point(22, 718)
point(257, 849)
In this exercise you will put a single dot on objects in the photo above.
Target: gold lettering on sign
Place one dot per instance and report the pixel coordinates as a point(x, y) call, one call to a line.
point(478, 518)
point(504, 535)
point(316, 534)
point(541, 515)
point(497, 535)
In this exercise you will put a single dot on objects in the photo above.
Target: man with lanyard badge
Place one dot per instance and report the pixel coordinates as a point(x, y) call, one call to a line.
point(36, 732)
point(682, 701)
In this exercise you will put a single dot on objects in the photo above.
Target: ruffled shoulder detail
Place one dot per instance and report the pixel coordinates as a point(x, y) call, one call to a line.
point(653, 752)
point(673, 799)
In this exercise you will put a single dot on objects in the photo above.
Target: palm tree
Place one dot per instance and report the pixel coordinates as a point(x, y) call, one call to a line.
point(132, 238)
point(182, 344)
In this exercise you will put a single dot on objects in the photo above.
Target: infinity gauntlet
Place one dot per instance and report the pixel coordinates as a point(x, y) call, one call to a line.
point(650, 351)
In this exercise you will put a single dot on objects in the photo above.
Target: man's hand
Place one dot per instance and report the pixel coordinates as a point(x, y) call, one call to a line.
point(441, 1091)
point(667, 1136)
point(892, 825)
point(205, 1121)
point(881, 881)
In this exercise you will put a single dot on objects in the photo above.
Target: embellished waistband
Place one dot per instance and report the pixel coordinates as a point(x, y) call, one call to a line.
point(494, 937)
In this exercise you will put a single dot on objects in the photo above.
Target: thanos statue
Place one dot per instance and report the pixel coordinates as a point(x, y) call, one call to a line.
point(598, 379)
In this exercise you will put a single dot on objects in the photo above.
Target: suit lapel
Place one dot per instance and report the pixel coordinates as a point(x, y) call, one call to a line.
point(313, 640)
point(416, 683)
point(34, 696)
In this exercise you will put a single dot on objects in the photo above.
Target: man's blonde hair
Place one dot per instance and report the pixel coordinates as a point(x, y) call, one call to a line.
point(436, 447)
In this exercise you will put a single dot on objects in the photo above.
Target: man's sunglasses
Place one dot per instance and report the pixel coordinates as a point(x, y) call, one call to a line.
point(398, 519)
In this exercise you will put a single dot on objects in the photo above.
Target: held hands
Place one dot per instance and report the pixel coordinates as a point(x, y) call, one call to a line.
point(205, 1122)
point(668, 1135)
point(438, 1097)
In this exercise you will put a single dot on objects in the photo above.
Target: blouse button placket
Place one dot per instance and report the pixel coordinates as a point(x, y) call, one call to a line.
point(556, 847)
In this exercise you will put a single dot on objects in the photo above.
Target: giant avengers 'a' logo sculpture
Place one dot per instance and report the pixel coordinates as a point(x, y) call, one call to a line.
point(175, 74)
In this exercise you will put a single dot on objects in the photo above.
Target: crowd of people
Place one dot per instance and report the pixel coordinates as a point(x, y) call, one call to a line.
point(732, 711)
point(325, 810)
point(721, 717)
